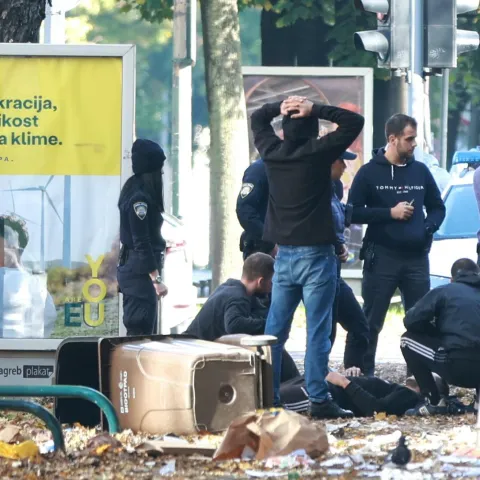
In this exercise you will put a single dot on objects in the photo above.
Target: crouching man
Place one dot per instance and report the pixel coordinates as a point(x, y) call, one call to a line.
point(443, 336)
point(233, 308)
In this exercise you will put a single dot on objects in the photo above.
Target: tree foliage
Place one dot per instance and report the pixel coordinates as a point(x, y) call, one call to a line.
point(291, 10)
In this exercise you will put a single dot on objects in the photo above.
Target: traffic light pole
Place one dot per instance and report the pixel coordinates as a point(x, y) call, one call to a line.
point(444, 128)
point(416, 98)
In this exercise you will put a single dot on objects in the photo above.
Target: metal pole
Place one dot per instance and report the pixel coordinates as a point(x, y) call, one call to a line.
point(55, 33)
point(444, 120)
point(184, 34)
point(416, 104)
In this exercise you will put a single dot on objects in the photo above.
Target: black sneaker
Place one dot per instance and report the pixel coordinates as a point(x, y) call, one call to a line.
point(426, 409)
point(327, 409)
point(456, 407)
point(473, 407)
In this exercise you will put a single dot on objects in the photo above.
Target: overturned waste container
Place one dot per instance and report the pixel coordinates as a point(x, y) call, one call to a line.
point(166, 384)
point(181, 385)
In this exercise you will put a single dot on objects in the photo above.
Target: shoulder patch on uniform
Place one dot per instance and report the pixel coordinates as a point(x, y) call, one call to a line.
point(246, 189)
point(141, 209)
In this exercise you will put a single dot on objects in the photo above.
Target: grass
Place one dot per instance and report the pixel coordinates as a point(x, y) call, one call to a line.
point(395, 314)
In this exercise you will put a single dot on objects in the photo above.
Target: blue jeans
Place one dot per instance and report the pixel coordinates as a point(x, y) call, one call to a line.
point(307, 273)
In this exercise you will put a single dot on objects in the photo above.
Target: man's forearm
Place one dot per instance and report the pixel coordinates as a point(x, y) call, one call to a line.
point(264, 115)
point(337, 115)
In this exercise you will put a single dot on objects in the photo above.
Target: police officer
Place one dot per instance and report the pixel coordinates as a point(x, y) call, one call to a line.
point(252, 204)
point(142, 252)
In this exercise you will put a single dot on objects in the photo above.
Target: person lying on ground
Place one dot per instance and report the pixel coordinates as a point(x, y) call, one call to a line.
point(364, 396)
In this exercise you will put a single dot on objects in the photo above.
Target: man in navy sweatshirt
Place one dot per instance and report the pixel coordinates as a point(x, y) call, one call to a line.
point(389, 194)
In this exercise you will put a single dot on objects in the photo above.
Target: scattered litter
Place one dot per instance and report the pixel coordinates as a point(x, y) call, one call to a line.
point(10, 434)
point(345, 462)
point(387, 439)
point(271, 434)
point(28, 449)
point(168, 468)
point(295, 459)
point(264, 473)
point(102, 442)
point(46, 447)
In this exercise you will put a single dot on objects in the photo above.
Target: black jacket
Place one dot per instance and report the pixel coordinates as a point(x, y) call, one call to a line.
point(451, 312)
point(364, 396)
point(140, 225)
point(299, 178)
point(252, 204)
point(227, 311)
point(379, 186)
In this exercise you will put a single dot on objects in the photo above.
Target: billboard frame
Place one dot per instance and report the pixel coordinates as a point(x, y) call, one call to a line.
point(127, 53)
point(365, 73)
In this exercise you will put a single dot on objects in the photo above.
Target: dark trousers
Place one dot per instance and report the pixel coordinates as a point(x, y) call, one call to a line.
point(383, 272)
point(260, 307)
point(289, 367)
point(140, 302)
point(424, 354)
point(349, 314)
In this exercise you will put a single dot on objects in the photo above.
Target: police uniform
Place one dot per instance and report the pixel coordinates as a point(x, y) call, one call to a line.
point(252, 205)
point(143, 247)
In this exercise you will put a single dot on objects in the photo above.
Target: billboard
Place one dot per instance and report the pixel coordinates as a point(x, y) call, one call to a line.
point(349, 88)
point(66, 118)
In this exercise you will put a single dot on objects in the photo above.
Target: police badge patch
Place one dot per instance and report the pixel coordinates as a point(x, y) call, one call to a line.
point(140, 209)
point(246, 189)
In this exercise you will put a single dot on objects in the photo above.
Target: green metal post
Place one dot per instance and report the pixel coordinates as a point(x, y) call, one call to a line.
point(29, 407)
point(64, 391)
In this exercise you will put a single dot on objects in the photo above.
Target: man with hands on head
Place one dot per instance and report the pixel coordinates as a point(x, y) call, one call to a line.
point(299, 220)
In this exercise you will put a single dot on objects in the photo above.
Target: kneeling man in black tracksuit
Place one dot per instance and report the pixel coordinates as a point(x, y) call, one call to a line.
point(443, 336)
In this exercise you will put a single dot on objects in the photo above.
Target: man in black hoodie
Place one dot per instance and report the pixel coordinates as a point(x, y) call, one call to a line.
point(443, 336)
point(228, 310)
point(299, 220)
point(234, 307)
point(389, 194)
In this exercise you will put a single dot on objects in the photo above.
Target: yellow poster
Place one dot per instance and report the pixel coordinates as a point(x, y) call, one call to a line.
point(60, 116)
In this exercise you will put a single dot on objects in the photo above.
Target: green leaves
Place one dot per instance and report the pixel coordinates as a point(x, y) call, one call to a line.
point(150, 10)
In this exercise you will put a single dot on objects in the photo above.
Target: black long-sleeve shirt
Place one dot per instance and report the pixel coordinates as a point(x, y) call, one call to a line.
point(364, 396)
point(299, 211)
point(140, 225)
point(452, 313)
point(227, 311)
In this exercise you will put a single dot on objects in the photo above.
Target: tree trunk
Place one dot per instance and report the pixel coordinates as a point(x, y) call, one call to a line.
point(228, 132)
point(20, 20)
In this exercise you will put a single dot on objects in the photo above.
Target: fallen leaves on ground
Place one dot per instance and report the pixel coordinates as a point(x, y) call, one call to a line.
point(358, 449)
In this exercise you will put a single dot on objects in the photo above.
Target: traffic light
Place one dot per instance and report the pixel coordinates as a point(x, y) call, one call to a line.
point(391, 40)
point(443, 42)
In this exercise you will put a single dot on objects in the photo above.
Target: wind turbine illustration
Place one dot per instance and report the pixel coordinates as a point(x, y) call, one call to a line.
point(14, 211)
point(43, 190)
